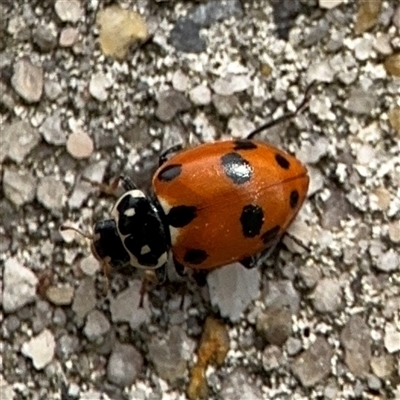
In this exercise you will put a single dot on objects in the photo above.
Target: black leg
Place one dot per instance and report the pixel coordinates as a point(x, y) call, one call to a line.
point(200, 277)
point(127, 183)
point(258, 260)
point(164, 155)
point(179, 268)
point(270, 124)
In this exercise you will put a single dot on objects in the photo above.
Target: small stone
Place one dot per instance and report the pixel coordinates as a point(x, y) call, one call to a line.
point(185, 37)
point(275, 325)
point(85, 298)
point(284, 16)
point(238, 385)
point(45, 37)
point(125, 307)
point(68, 37)
point(95, 172)
point(327, 295)
point(51, 130)
point(388, 261)
point(374, 383)
point(392, 64)
point(124, 365)
point(363, 48)
point(367, 15)
point(119, 29)
point(328, 4)
point(231, 84)
point(40, 349)
point(52, 89)
point(396, 18)
point(225, 105)
point(321, 71)
point(392, 338)
point(360, 102)
point(394, 119)
point(200, 95)
point(180, 81)
point(293, 346)
point(19, 186)
point(233, 288)
point(27, 80)
point(18, 140)
point(6, 390)
point(356, 340)
point(51, 193)
point(272, 358)
point(80, 145)
point(90, 265)
point(314, 364)
point(97, 325)
point(382, 44)
point(60, 295)
point(68, 11)
point(166, 354)
point(170, 102)
point(383, 365)
point(394, 231)
point(310, 275)
point(19, 286)
point(380, 198)
point(81, 191)
point(212, 11)
point(98, 86)
point(240, 126)
point(282, 294)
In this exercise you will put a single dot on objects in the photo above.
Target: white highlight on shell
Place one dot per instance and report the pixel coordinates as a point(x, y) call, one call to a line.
point(130, 212)
point(145, 249)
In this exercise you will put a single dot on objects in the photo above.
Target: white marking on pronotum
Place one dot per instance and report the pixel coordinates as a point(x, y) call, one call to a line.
point(132, 193)
point(145, 249)
point(130, 212)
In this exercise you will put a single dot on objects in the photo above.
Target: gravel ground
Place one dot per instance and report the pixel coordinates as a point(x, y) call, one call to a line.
point(321, 323)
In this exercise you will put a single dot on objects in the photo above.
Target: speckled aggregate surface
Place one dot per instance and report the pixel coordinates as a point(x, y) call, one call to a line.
point(321, 323)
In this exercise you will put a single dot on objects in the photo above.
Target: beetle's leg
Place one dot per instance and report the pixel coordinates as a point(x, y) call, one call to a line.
point(257, 260)
point(106, 286)
point(164, 155)
point(200, 277)
point(151, 278)
point(179, 268)
point(285, 117)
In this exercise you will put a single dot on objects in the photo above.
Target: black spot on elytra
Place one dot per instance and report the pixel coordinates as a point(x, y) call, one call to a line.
point(244, 144)
point(294, 198)
point(282, 161)
point(271, 234)
point(180, 216)
point(195, 256)
point(236, 168)
point(170, 172)
point(251, 219)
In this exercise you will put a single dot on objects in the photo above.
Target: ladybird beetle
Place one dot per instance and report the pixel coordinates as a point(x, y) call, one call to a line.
point(211, 205)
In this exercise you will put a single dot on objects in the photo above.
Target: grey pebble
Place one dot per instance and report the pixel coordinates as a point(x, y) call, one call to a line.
point(233, 282)
point(40, 349)
point(310, 275)
point(51, 129)
point(68, 11)
point(124, 365)
point(19, 285)
point(27, 80)
point(360, 102)
point(167, 354)
point(327, 295)
point(18, 139)
point(389, 261)
point(213, 11)
point(45, 37)
point(51, 193)
point(96, 326)
point(60, 295)
point(125, 307)
point(293, 346)
point(67, 345)
point(170, 102)
point(275, 325)
point(356, 340)
point(280, 294)
point(225, 105)
point(239, 386)
point(80, 193)
point(185, 37)
point(19, 186)
point(85, 298)
point(52, 89)
point(272, 358)
point(314, 364)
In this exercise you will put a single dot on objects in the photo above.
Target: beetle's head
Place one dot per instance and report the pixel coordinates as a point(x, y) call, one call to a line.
point(135, 234)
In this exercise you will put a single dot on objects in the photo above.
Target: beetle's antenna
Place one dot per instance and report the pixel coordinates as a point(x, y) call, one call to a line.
point(285, 117)
point(71, 228)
